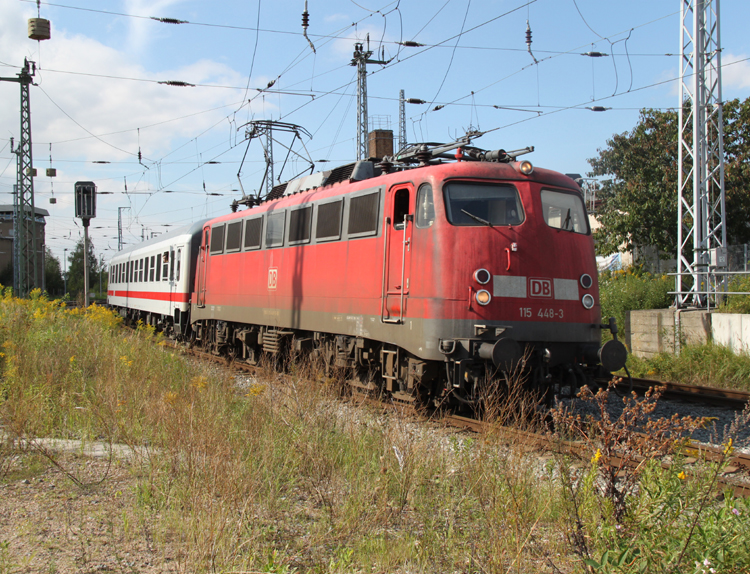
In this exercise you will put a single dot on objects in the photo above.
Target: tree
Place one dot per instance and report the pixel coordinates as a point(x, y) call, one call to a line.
point(638, 202)
point(76, 271)
point(53, 279)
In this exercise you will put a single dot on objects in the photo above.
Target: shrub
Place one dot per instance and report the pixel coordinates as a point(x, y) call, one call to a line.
point(631, 289)
point(737, 303)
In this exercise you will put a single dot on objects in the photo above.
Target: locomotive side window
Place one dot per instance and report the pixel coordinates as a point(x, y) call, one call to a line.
point(476, 204)
point(217, 239)
point(328, 226)
point(425, 206)
point(299, 225)
point(363, 215)
point(564, 211)
point(165, 265)
point(400, 208)
point(234, 235)
point(152, 268)
point(275, 229)
point(253, 233)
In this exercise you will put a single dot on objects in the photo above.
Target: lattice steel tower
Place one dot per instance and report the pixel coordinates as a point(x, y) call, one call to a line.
point(361, 59)
point(701, 227)
point(401, 120)
point(26, 275)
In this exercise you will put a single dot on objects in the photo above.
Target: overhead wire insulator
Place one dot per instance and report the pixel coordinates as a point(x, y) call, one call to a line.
point(410, 44)
point(595, 54)
point(528, 42)
point(436, 108)
point(305, 24)
point(178, 83)
point(169, 20)
point(415, 101)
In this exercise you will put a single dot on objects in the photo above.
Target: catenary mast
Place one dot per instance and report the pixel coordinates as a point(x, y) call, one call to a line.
point(701, 228)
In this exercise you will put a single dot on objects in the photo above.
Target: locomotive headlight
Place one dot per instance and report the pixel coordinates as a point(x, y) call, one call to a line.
point(483, 297)
point(587, 301)
point(482, 276)
point(586, 281)
point(525, 167)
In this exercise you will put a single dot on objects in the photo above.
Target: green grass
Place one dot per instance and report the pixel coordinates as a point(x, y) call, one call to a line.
point(280, 476)
point(710, 365)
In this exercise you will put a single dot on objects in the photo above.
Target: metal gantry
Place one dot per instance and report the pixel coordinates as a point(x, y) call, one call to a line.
point(701, 228)
point(26, 275)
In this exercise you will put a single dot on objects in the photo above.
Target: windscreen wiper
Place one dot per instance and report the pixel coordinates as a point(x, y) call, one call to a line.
point(567, 221)
point(477, 218)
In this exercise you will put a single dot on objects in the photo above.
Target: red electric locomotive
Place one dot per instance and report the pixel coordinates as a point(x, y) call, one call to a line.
point(425, 274)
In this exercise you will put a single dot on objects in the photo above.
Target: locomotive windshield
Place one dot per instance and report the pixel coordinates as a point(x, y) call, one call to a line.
point(564, 211)
point(475, 204)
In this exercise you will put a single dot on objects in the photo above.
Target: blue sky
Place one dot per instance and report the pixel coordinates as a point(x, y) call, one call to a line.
point(98, 98)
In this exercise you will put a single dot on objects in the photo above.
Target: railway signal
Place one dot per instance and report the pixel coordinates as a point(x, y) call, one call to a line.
point(85, 195)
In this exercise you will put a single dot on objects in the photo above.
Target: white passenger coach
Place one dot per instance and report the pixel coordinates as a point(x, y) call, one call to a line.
point(152, 281)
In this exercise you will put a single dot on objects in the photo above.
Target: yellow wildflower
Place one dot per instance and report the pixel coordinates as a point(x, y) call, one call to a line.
point(728, 447)
point(682, 475)
point(597, 456)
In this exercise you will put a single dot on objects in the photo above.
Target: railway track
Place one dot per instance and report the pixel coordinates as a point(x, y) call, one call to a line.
point(735, 476)
point(695, 393)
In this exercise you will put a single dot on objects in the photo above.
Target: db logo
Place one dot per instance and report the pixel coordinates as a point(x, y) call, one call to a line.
point(273, 277)
point(540, 287)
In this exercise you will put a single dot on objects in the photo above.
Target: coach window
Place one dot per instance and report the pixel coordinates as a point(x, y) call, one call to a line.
point(179, 260)
point(152, 271)
point(140, 272)
point(564, 211)
point(158, 267)
point(165, 266)
point(234, 236)
point(425, 206)
point(363, 215)
point(171, 265)
point(253, 233)
point(217, 239)
point(328, 225)
point(299, 225)
point(275, 229)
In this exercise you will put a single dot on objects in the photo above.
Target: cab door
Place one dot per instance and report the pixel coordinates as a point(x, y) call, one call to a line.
point(203, 268)
point(397, 232)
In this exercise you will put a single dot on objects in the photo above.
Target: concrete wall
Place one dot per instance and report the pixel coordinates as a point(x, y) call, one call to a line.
point(732, 330)
point(654, 331)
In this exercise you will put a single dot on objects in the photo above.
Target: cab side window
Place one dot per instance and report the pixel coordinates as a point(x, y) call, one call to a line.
point(400, 208)
point(425, 206)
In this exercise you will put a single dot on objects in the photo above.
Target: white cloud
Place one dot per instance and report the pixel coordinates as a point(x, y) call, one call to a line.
point(735, 76)
point(107, 105)
point(140, 30)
